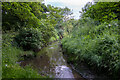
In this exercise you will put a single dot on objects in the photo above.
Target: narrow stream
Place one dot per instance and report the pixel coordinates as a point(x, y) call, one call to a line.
point(51, 62)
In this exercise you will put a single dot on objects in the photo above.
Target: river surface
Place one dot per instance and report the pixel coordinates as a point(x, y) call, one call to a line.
point(51, 62)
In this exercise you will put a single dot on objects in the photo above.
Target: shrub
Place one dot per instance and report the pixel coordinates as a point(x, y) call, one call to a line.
point(10, 56)
point(29, 39)
point(97, 45)
point(15, 71)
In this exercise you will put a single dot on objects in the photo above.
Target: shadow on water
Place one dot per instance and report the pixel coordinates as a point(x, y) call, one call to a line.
point(51, 62)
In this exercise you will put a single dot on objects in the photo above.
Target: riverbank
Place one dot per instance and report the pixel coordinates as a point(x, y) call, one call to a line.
point(10, 56)
point(95, 45)
point(86, 71)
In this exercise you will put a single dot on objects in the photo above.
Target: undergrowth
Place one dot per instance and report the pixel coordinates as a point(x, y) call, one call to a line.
point(97, 45)
point(10, 56)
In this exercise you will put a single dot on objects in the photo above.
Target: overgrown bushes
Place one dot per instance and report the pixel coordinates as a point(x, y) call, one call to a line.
point(98, 46)
point(29, 39)
point(10, 56)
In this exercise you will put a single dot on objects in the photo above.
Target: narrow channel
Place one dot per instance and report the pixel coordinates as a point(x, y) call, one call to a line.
point(51, 62)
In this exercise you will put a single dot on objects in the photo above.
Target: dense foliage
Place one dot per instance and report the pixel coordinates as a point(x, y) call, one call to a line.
point(27, 27)
point(102, 11)
point(97, 46)
point(10, 56)
point(18, 14)
point(95, 39)
point(29, 39)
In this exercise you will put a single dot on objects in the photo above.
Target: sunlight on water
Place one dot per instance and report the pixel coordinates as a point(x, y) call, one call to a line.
point(63, 72)
point(50, 62)
point(51, 48)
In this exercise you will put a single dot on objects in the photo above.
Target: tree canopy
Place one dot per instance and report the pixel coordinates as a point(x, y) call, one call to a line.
point(102, 11)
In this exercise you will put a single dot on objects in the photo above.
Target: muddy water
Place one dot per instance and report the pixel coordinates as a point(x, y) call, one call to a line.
point(51, 62)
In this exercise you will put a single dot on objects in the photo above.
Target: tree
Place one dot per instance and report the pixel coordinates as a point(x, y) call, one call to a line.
point(66, 12)
point(21, 12)
point(84, 9)
point(104, 11)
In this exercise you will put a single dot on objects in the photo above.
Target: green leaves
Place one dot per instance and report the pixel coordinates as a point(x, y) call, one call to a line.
point(17, 15)
point(97, 45)
point(29, 13)
point(29, 39)
point(102, 11)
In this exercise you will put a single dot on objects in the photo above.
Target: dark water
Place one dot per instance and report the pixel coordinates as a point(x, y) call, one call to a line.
point(51, 62)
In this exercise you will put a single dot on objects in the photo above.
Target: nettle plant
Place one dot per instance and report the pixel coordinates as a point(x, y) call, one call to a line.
point(29, 39)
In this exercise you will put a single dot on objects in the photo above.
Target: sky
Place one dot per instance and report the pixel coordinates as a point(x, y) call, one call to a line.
point(74, 5)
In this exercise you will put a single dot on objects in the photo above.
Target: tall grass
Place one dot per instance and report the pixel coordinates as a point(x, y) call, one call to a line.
point(97, 45)
point(10, 56)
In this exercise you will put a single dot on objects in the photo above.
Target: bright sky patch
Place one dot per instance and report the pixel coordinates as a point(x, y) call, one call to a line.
point(75, 5)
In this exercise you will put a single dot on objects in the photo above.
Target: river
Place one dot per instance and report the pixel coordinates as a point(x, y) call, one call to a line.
point(51, 62)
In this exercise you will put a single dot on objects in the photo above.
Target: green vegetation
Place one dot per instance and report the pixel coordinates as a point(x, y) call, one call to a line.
point(97, 46)
point(95, 39)
point(27, 27)
point(10, 56)
point(102, 11)
point(29, 39)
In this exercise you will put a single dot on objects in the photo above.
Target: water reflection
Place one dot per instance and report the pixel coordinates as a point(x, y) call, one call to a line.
point(63, 72)
point(51, 48)
point(50, 62)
